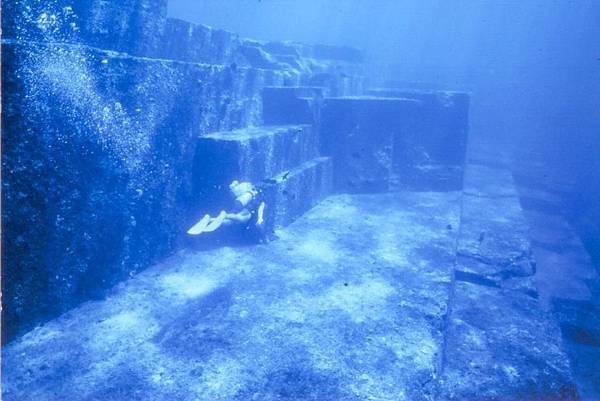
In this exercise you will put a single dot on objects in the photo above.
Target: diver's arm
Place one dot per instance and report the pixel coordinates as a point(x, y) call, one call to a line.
point(260, 214)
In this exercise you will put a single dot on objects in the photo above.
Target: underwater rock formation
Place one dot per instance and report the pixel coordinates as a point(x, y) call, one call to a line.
point(115, 140)
point(102, 108)
point(282, 161)
point(395, 139)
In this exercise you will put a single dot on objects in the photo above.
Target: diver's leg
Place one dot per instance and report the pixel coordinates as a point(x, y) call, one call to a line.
point(241, 217)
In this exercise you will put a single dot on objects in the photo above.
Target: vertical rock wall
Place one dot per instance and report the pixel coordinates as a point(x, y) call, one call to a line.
point(396, 140)
point(102, 105)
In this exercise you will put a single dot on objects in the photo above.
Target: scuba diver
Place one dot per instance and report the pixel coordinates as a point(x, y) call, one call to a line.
point(247, 212)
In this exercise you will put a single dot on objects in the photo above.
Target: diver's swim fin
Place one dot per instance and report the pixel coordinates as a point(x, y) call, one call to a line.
point(215, 223)
point(200, 226)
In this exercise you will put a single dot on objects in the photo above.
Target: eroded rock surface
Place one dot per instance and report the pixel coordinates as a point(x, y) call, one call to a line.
point(347, 304)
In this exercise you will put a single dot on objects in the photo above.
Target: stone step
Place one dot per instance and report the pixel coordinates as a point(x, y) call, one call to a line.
point(579, 321)
point(494, 249)
point(291, 105)
point(439, 133)
point(581, 358)
point(249, 154)
point(481, 180)
point(494, 231)
point(501, 345)
point(383, 143)
point(292, 193)
point(360, 133)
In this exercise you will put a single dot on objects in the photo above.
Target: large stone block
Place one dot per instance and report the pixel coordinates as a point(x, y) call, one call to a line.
point(292, 105)
point(135, 26)
point(432, 148)
point(501, 345)
point(96, 148)
point(345, 306)
point(359, 133)
point(494, 231)
point(291, 194)
point(412, 141)
point(198, 43)
point(248, 154)
point(256, 56)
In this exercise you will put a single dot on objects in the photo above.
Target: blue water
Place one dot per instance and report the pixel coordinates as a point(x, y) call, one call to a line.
point(300, 200)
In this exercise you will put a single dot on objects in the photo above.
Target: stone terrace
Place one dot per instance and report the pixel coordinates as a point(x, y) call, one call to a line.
point(393, 296)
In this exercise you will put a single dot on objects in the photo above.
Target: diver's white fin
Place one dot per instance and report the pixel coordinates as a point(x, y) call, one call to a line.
point(215, 223)
point(199, 227)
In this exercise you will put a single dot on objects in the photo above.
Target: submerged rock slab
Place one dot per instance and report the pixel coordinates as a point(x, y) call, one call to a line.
point(254, 154)
point(292, 105)
point(439, 133)
point(493, 247)
point(348, 304)
point(484, 181)
point(359, 132)
point(397, 140)
point(493, 231)
point(97, 147)
point(501, 345)
point(292, 193)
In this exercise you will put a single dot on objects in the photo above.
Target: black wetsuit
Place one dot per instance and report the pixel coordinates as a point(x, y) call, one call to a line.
point(249, 231)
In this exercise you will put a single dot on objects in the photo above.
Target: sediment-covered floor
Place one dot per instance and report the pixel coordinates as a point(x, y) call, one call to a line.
point(396, 296)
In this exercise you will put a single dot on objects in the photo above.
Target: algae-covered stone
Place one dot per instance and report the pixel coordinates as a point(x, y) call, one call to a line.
point(501, 345)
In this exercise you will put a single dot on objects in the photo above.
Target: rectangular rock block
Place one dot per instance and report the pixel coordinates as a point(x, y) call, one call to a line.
point(403, 140)
point(427, 177)
point(359, 133)
point(291, 105)
point(432, 150)
point(500, 345)
point(249, 154)
point(292, 193)
point(480, 180)
point(443, 125)
point(180, 40)
point(493, 231)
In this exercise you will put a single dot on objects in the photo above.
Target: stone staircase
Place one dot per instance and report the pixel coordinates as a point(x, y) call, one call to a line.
point(427, 295)
point(313, 144)
point(567, 279)
point(500, 341)
point(282, 160)
point(292, 105)
point(500, 296)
